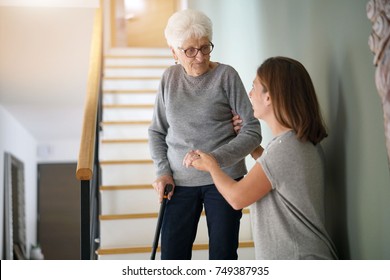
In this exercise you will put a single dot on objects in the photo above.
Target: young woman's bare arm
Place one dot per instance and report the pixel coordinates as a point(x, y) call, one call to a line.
point(254, 186)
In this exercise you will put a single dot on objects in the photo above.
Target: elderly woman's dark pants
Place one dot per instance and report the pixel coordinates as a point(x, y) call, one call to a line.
point(180, 224)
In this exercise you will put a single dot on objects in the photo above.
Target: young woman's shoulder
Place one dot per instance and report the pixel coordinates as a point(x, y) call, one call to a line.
point(288, 145)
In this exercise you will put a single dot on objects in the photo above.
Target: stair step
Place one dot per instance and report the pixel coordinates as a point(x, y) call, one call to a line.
point(124, 130)
point(131, 78)
point(128, 216)
point(128, 91)
point(138, 122)
point(135, 172)
point(144, 57)
point(125, 187)
point(139, 229)
point(128, 141)
point(148, 249)
point(132, 51)
point(136, 201)
point(118, 199)
point(199, 252)
point(126, 84)
point(129, 98)
point(122, 113)
point(110, 217)
point(122, 174)
point(141, 61)
point(128, 106)
point(136, 161)
point(124, 150)
point(134, 71)
point(136, 67)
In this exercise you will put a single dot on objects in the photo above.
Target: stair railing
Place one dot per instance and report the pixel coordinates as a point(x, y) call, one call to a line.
point(88, 168)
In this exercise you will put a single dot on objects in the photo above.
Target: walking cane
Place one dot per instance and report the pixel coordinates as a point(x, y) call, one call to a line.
point(168, 188)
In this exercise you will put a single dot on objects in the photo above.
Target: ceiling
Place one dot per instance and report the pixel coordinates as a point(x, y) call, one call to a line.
point(44, 56)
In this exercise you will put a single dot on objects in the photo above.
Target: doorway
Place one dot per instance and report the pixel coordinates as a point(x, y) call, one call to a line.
point(59, 211)
point(15, 247)
point(141, 23)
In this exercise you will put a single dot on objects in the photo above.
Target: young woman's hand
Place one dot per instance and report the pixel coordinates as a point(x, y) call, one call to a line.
point(189, 158)
point(204, 162)
point(237, 122)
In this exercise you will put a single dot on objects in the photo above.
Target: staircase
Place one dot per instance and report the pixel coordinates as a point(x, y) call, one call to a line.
point(129, 204)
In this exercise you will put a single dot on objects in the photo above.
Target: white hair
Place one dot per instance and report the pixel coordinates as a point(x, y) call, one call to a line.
point(186, 24)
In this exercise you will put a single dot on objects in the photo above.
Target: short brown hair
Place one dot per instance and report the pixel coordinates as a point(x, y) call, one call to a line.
point(293, 97)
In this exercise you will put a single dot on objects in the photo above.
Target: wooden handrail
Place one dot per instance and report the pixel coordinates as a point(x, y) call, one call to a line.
point(88, 138)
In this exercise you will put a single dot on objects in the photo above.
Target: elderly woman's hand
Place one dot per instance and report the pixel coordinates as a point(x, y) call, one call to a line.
point(189, 158)
point(204, 161)
point(159, 185)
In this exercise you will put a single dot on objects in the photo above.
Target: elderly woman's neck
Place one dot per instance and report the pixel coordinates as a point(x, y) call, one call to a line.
point(212, 65)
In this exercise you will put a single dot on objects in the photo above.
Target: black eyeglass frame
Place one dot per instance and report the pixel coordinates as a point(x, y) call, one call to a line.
point(197, 50)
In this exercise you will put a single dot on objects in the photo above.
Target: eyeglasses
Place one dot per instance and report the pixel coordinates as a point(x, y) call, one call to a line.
point(192, 52)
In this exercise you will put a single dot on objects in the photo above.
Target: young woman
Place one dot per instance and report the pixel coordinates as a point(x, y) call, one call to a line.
point(286, 184)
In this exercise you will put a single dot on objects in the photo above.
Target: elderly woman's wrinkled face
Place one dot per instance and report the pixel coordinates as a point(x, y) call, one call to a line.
point(197, 65)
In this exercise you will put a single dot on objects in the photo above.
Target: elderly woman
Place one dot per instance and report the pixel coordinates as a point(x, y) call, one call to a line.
point(287, 182)
point(194, 109)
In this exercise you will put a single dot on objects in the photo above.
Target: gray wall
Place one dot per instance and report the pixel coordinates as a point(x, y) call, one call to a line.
point(330, 39)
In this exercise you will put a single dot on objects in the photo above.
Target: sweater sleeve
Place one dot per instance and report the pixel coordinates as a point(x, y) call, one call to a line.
point(157, 133)
point(250, 134)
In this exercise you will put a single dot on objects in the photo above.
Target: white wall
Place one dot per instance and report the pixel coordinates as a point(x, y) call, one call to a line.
point(330, 39)
point(44, 60)
point(58, 151)
point(16, 140)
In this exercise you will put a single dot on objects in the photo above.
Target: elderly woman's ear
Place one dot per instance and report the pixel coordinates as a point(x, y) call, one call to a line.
point(174, 54)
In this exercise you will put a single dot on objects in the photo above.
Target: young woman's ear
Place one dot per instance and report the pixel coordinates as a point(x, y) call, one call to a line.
point(267, 98)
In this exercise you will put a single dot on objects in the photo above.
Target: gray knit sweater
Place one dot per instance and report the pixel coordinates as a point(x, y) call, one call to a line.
point(195, 113)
